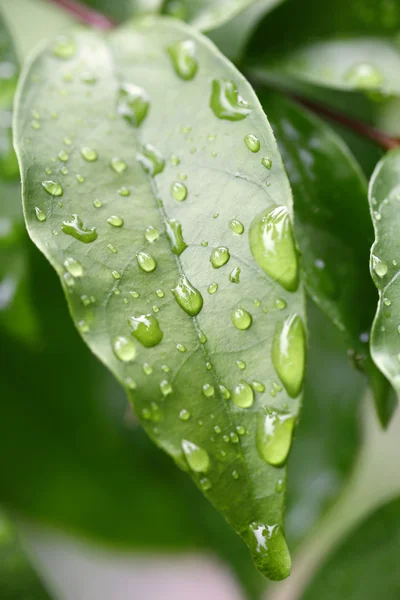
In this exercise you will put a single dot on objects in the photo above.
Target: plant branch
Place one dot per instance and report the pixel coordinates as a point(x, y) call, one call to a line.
point(382, 139)
point(86, 15)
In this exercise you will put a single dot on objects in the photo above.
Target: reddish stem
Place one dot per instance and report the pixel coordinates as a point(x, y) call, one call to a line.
point(375, 135)
point(86, 15)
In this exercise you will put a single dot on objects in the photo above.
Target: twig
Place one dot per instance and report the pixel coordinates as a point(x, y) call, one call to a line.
point(86, 15)
point(375, 135)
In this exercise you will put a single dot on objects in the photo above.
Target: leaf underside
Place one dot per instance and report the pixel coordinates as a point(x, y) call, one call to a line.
point(131, 203)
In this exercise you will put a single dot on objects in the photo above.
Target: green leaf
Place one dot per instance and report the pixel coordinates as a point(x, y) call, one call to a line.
point(160, 207)
point(231, 37)
point(17, 578)
point(342, 44)
point(384, 196)
point(364, 566)
point(207, 15)
point(334, 235)
point(125, 9)
point(16, 314)
point(319, 466)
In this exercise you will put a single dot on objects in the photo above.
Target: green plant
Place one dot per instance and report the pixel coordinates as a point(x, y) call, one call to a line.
point(190, 254)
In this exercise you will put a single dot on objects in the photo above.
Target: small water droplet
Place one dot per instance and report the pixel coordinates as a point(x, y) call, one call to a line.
point(208, 390)
point(274, 436)
point(212, 288)
point(63, 156)
point(76, 229)
point(183, 56)
point(219, 257)
point(134, 294)
point(184, 415)
point(241, 319)
point(124, 348)
point(234, 275)
point(83, 326)
point(252, 142)
point(280, 303)
point(235, 475)
point(364, 76)
point(64, 171)
point(387, 302)
point(151, 160)
point(165, 387)
point(89, 154)
point(202, 337)
point(40, 214)
point(181, 348)
point(69, 280)
point(269, 550)
point(73, 267)
point(146, 329)
point(279, 486)
point(379, 266)
point(205, 484)
point(179, 191)
point(266, 162)
point(225, 393)
point(225, 101)
point(116, 274)
point(115, 221)
point(243, 395)
point(64, 47)
point(133, 103)
point(197, 458)
point(258, 386)
point(112, 248)
point(272, 245)
point(174, 232)
point(151, 234)
point(240, 364)
point(123, 191)
point(174, 160)
point(131, 383)
point(147, 368)
point(160, 293)
point(146, 262)
point(53, 188)
point(118, 165)
point(240, 429)
point(80, 178)
point(97, 203)
point(288, 353)
point(188, 297)
point(208, 366)
point(236, 226)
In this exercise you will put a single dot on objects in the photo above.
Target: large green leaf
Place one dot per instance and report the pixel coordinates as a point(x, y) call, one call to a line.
point(346, 45)
point(203, 369)
point(334, 234)
point(384, 196)
point(365, 565)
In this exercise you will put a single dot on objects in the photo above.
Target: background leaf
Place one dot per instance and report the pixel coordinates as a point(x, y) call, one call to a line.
point(345, 45)
point(384, 195)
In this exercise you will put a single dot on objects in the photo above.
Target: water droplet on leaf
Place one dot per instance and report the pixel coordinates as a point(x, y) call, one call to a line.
point(146, 262)
point(236, 226)
point(124, 348)
point(73, 267)
point(234, 275)
point(183, 56)
point(133, 103)
point(115, 221)
point(179, 191)
point(288, 353)
point(53, 188)
point(146, 329)
point(219, 257)
point(252, 142)
point(175, 236)
point(151, 234)
point(76, 229)
point(151, 160)
point(40, 214)
point(188, 297)
point(197, 458)
point(241, 319)
point(89, 154)
point(118, 165)
point(225, 101)
point(274, 436)
point(243, 395)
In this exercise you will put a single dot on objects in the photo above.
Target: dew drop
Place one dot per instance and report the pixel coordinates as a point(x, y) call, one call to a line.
point(181, 348)
point(219, 257)
point(116, 275)
point(147, 368)
point(202, 337)
point(53, 188)
point(118, 165)
point(133, 103)
point(208, 390)
point(288, 353)
point(280, 303)
point(240, 364)
point(236, 226)
point(124, 348)
point(183, 56)
point(40, 214)
point(205, 484)
point(64, 47)
point(165, 387)
point(89, 154)
point(123, 191)
point(243, 395)
point(80, 178)
point(225, 393)
point(258, 386)
point(134, 294)
point(83, 326)
point(115, 221)
point(241, 319)
point(64, 171)
point(63, 156)
point(160, 293)
point(188, 297)
point(97, 203)
point(212, 288)
point(225, 101)
point(234, 275)
point(274, 436)
point(197, 458)
point(379, 266)
point(364, 76)
point(112, 248)
point(151, 234)
point(266, 162)
point(151, 160)
point(184, 415)
point(179, 191)
point(174, 160)
point(269, 550)
point(235, 475)
point(174, 232)
point(76, 229)
point(73, 267)
point(146, 262)
point(272, 245)
point(146, 329)
point(252, 142)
